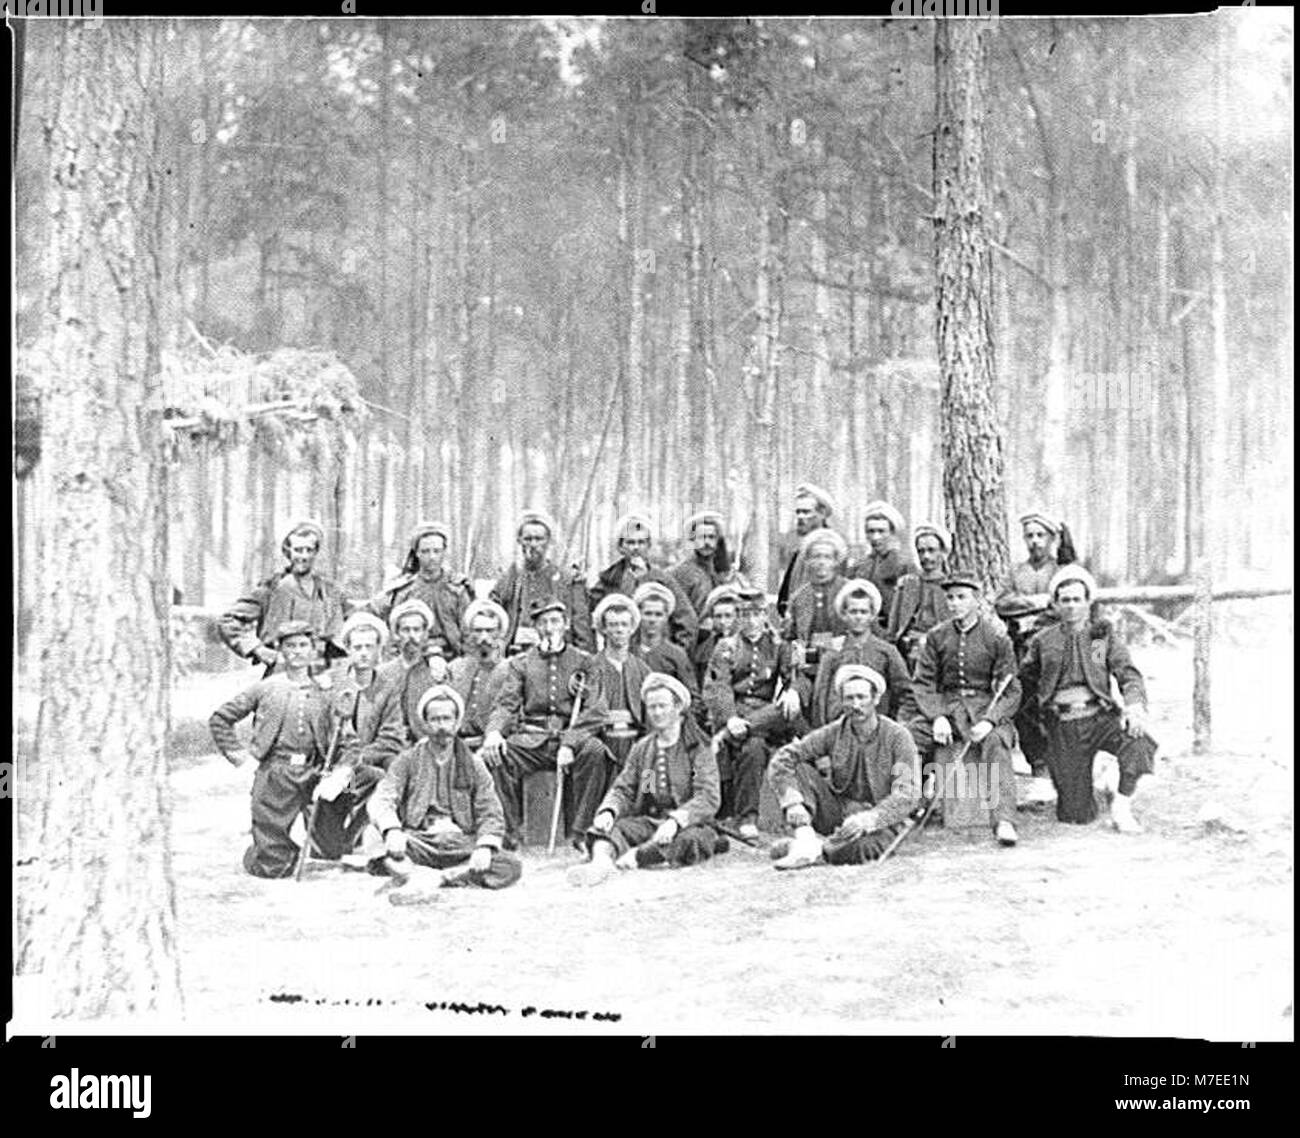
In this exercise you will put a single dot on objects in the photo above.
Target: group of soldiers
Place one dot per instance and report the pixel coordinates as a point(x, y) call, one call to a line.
point(404, 730)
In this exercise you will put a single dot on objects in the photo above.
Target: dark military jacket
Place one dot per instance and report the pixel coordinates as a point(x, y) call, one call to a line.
point(259, 613)
point(884, 570)
point(958, 672)
point(905, 615)
point(534, 703)
point(1104, 655)
point(519, 589)
point(478, 685)
point(743, 676)
point(683, 623)
point(874, 653)
point(375, 730)
point(448, 597)
point(681, 784)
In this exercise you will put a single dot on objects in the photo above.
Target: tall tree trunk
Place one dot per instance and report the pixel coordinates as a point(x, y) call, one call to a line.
point(971, 439)
point(99, 937)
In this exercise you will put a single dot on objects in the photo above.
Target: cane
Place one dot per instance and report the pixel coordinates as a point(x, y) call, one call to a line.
point(577, 686)
point(913, 823)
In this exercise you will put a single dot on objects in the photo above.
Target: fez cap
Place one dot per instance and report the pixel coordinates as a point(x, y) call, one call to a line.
point(1052, 527)
point(704, 516)
point(882, 509)
point(494, 610)
point(820, 496)
point(408, 606)
point(1072, 573)
point(304, 526)
point(858, 587)
point(669, 683)
point(860, 672)
point(616, 602)
point(825, 536)
point(446, 693)
point(537, 517)
point(631, 524)
point(364, 620)
point(653, 590)
point(935, 529)
point(721, 593)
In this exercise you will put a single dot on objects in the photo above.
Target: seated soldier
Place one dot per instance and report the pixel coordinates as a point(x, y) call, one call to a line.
point(535, 704)
point(812, 623)
point(850, 814)
point(719, 619)
point(964, 661)
point(858, 605)
point(745, 713)
point(419, 664)
point(656, 603)
point(477, 675)
point(619, 675)
point(661, 805)
point(1067, 671)
point(293, 734)
point(437, 808)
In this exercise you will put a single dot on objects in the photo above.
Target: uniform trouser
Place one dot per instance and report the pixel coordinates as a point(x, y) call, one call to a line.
point(828, 811)
point(741, 764)
point(993, 750)
point(692, 843)
point(585, 781)
point(1033, 740)
point(282, 791)
point(1071, 748)
point(446, 851)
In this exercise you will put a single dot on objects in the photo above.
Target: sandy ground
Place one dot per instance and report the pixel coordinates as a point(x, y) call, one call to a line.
point(1186, 930)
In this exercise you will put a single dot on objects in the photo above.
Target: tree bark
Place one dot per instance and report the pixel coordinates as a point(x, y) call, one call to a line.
point(100, 934)
point(973, 484)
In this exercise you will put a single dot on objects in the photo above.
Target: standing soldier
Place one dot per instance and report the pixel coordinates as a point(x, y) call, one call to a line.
point(1067, 672)
point(418, 665)
point(423, 578)
point(709, 564)
point(660, 806)
point(745, 710)
point(535, 705)
point(858, 604)
point(812, 509)
point(296, 593)
point(536, 579)
point(847, 815)
point(292, 732)
point(919, 602)
point(619, 673)
point(885, 563)
point(477, 675)
point(633, 569)
point(812, 623)
point(964, 661)
point(660, 654)
point(719, 619)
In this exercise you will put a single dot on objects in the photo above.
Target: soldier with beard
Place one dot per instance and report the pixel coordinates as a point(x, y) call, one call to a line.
point(418, 665)
point(437, 808)
point(709, 564)
point(477, 675)
point(537, 579)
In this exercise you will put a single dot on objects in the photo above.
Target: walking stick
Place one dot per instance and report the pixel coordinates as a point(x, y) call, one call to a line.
point(918, 823)
point(331, 754)
point(577, 686)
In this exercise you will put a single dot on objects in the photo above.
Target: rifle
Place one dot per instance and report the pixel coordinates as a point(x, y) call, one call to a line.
point(577, 686)
point(917, 819)
point(331, 756)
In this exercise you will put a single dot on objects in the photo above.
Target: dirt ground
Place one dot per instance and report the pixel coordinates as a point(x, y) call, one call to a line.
point(1185, 930)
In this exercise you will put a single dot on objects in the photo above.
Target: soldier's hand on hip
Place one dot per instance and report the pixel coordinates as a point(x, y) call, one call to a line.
point(564, 757)
point(942, 731)
point(980, 730)
point(493, 749)
point(789, 704)
point(737, 728)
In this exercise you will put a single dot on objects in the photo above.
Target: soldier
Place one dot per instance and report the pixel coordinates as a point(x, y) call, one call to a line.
point(633, 569)
point(718, 619)
point(812, 623)
point(745, 712)
point(660, 806)
point(858, 604)
point(537, 579)
point(884, 563)
point(849, 814)
point(477, 675)
point(292, 733)
point(963, 662)
point(535, 704)
point(418, 665)
point(709, 564)
point(296, 593)
point(1067, 671)
point(423, 578)
point(651, 644)
point(812, 509)
point(437, 808)
point(919, 602)
point(619, 672)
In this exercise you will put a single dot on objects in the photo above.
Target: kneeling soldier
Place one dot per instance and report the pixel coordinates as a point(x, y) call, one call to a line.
point(292, 731)
point(437, 807)
point(663, 801)
point(847, 815)
point(1067, 669)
